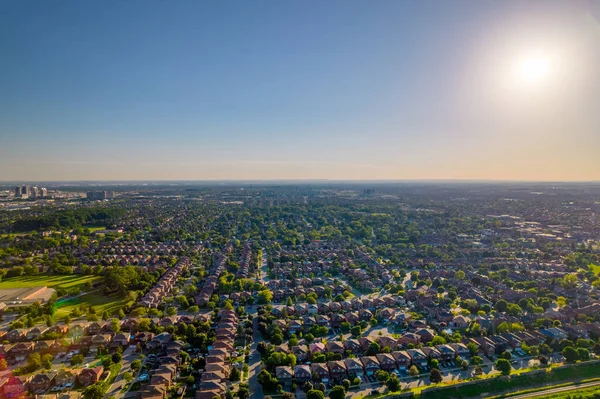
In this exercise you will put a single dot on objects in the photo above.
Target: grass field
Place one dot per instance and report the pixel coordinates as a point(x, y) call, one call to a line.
point(66, 282)
point(584, 393)
point(100, 302)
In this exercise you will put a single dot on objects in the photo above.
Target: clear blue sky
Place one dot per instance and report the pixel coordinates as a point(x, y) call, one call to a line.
point(299, 90)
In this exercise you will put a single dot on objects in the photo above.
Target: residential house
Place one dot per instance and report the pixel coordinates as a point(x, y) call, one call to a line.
point(370, 364)
point(403, 360)
point(40, 383)
point(89, 376)
point(354, 367)
point(302, 373)
point(320, 370)
point(284, 374)
point(386, 361)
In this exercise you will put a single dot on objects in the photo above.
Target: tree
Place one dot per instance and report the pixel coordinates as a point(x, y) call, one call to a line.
point(435, 376)
point(393, 383)
point(171, 311)
point(243, 392)
point(478, 370)
point(413, 371)
point(337, 392)
point(583, 353)
point(382, 375)
point(117, 357)
point(115, 325)
point(434, 364)
point(346, 384)
point(464, 365)
point(506, 355)
point(503, 366)
point(34, 361)
point(136, 365)
point(356, 331)
point(501, 305)
point(476, 360)
point(128, 376)
point(315, 394)
point(570, 354)
point(234, 374)
point(373, 349)
point(473, 348)
point(460, 275)
point(307, 386)
point(265, 296)
point(94, 391)
point(3, 364)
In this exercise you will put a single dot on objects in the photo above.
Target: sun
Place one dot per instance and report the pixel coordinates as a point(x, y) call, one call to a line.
point(534, 70)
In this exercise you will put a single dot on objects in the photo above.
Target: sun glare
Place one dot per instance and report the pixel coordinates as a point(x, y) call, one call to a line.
point(534, 70)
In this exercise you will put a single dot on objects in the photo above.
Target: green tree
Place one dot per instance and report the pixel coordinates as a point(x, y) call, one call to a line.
point(413, 371)
point(435, 376)
point(94, 391)
point(315, 394)
point(393, 383)
point(570, 354)
point(337, 392)
point(503, 366)
point(234, 374)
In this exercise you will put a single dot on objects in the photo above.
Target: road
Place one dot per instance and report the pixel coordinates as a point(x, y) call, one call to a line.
point(254, 366)
point(557, 390)
point(128, 357)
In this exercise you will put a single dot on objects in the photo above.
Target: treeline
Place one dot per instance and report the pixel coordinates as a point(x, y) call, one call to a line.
point(68, 219)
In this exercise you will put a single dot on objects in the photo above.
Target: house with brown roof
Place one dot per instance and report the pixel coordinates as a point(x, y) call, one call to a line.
point(337, 369)
point(284, 374)
point(354, 367)
point(403, 360)
point(417, 357)
point(302, 373)
point(65, 378)
point(320, 370)
point(335, 347)
point(40, 383)
point(300, 352)
point(89, 376)
point(370, 364)
point(386, 361)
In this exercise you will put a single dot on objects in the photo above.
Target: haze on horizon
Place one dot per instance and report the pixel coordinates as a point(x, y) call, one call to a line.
point(337, 89)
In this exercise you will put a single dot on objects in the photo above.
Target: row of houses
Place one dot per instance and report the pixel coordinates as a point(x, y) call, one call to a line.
point(245, 262)
point(214, 378)
point(166, 283)
point(165, 366)
point(210, 284)
point(371, 305)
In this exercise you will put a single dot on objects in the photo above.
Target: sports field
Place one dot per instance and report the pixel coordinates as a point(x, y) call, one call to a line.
point(100, 302)
point(66, 282)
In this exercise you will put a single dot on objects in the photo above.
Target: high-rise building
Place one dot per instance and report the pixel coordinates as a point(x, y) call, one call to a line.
point(100, 195)
point(44, 192)
point(35, 192)
point(17, 192)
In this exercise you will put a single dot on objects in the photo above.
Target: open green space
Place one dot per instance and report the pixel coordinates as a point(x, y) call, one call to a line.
point(515, 382)
point(66, 282)
point(99, 301)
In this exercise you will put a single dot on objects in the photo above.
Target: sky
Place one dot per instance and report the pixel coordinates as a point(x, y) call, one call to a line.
point(267, 89)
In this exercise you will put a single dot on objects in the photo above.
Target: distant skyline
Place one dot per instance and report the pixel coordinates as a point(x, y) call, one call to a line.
point(300, 90)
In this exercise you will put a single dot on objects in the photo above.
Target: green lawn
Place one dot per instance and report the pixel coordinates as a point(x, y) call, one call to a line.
point(100, 302)
point(594, 268)
point(66, 282)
